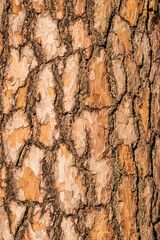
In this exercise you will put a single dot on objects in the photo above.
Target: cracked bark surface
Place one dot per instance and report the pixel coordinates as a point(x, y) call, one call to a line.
point(80, 119)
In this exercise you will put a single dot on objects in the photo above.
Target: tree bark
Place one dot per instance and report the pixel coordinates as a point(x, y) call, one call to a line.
point(80, 119)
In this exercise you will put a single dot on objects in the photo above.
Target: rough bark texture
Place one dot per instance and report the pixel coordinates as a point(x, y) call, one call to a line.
point(80, 119)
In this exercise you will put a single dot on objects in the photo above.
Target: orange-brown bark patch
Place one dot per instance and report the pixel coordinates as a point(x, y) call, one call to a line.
point(3, 193)
point(60, 8)
point(66, 79)
point(80, 7)
point(126, 159)
point(16, 8)
point(21, 97)
point(51, 93)
point(153, 4)
point(37, 226)
point(44, 134)
point(122, 30)
point(7, 108)
point(19, 135)
point(26, 235)
point(131, 11)
point(65, 152)
point(9, 93)
point(127, 209)
point(99, 88)
point(87, 52)
point(102, 229)
point(142, 154)
point(14, 218)
point(144, 109)
point(125, 38)
point(18, 38)
point(30, 185)
point(1, 43)
point(97, 125)
point(3, 173)
point(38, 5)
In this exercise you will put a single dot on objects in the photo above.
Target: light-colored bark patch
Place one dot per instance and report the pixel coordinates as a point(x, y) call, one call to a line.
point(70, 80)
point(47, 35)
point(17, 213)
point(79, 7)
point(121, 28)
point(67, 226)
point(39, 234)
point(16, 133)
point(4, 223)
point(69, 182)
point(125, 123)
point(120, 76)
point(102, 13)
point(80, 35)
point(97, 126)
point(79, 135)
point(45, 106)
point(99, 162)
point(40, 223)
point(15, 27)
point(16, 73)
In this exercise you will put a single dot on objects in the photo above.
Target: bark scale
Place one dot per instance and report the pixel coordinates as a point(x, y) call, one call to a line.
point(80, 119)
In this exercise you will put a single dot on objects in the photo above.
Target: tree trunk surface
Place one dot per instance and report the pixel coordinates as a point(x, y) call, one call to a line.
point(79, 119)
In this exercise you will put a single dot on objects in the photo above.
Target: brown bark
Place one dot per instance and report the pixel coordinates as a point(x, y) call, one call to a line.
point(80, 119)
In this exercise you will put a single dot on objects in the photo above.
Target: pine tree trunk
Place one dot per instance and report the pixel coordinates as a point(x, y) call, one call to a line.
point(79, 119)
